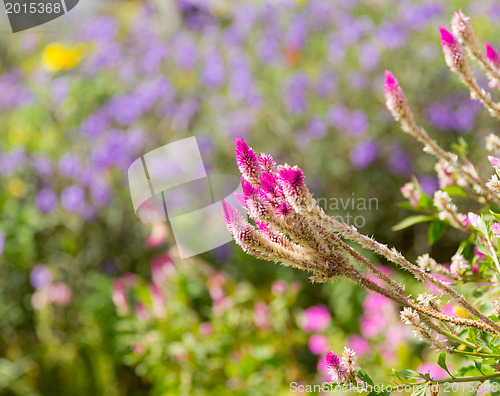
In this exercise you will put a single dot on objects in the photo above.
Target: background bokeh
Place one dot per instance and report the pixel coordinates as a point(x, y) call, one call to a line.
point(95, 302)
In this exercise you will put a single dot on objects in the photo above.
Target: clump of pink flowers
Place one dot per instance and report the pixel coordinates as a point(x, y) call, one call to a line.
point(288, 226)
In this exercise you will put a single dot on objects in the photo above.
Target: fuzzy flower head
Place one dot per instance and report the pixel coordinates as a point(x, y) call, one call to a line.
point(243, 232)
point(250, 166)
point(494, 161)
point(473, 219)
point(349, 359)
point(452, 50)
point(394, 96)
point(495, 229)
point(459, 264)
point(291, 180)
point(492, 55)
point(336, 368)
point(492, 142)
point(461, 27)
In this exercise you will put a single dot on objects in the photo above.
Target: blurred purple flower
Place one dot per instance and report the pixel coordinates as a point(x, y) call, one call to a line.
point(95, 124)
point(46, 200)
point(70, 166)
point(14, 93)
point(317, 128)
point(441, 116)
point(399, 162)
point(326, 86)
point(12, 160)
point(316, 318)
point(336, 48)
point(153, 57)
point(100, 192)
point(73, 199)
point(297, 33)
point(40, 276)
point(42, 164)
point(186, 52)
point(214, 73)
point(392, 35)
point(98, 29)
point(296, 94)
point(59, 90)
point(429, 184)
point(339, 116)
point(369, 56)
point(357, 123)
point(359, 80)
point(364, 153)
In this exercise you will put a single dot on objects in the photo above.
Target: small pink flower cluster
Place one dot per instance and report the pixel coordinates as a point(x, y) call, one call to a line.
point(342, 369)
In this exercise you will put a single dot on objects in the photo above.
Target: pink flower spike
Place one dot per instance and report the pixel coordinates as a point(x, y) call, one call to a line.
point(494, 161)
point(452, 50)
point(474, 219)
point(394, 96)
point(247, 161)
point(495, 229)
point(231, 216)
point(492, 55)
point(335, 367)
point(267, 162)
point(461, 27)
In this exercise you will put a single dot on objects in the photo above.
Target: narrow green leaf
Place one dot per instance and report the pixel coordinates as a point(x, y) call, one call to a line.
point(442, 362)
point(455, 191)
point(435, 231)
point(365, 377)
point(412, 220)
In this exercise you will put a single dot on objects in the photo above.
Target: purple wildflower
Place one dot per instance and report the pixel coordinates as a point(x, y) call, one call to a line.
point(73, 199)
point(364, 153)
point(2, 242)
point(46, 200)
point(40, 276)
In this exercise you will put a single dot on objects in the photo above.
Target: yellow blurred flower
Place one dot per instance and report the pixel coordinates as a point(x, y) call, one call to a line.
point(460, 311)
point(17, 188)
point(58, 56)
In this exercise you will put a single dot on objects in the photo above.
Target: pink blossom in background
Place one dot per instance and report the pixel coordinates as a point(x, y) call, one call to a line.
point(359, 345)
point(436, 372)
point(206, 328)
point(318, 344)
point(433, 289)
point(315, 318)
point(261, 316)
point(138, 349)
point(158, 301)
point(129, 279)
point(279, 287)
point(375, 302)
point(40, 298)
point(480, 256)
point(120, 297)
point(158, 235)
point(449, 309)
point(398, 333)
point(373, 325)
point(162, 268)
point(141, 311)
point(222, 305)
point(60, 294)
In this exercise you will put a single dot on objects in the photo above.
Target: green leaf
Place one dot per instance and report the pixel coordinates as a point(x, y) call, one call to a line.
point(365, 377)
point(435, 231)
point(412, 220)
point(409, 374)
point(442, 362)
point(455, 191)
point(471, 336)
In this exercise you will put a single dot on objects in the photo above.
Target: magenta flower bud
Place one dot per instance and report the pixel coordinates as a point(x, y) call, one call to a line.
point(267, 162)
point(494, 161)
point(284, 209)
point(335, 367)
point(461, 27)
point(292, 183)
point(256, 202)
point(269, 183)
point(492, 55)
point(395, 99)
point(452, 50)
point(247, 161)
